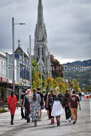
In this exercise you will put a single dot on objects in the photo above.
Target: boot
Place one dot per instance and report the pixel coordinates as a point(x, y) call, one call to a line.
point(58, 122)
point(12, 117)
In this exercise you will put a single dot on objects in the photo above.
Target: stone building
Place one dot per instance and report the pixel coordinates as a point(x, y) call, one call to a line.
point(41, 53)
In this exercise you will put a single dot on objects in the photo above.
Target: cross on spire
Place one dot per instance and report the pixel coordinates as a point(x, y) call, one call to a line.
point(19, 43)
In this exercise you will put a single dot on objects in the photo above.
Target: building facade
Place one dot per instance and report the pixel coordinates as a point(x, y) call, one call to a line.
point(3, 76)
point(24, 66)
point(41, 53)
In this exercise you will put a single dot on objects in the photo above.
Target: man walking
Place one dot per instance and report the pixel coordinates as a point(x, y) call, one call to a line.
point(42, 101)
point(66, 105)
point(73, 104)
point(22, 100)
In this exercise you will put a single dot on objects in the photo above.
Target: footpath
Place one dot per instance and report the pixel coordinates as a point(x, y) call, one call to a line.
point(44, 128)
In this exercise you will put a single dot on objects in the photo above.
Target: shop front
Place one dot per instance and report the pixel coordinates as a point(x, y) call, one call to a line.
point(3, 89)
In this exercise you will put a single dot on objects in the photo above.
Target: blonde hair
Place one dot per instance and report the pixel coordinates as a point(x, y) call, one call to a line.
point(57, 91)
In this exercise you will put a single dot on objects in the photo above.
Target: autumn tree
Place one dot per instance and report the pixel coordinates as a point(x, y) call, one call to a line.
point(57, 68)
point(37, 81)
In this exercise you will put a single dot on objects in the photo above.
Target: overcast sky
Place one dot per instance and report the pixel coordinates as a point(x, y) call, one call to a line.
point(68, 24)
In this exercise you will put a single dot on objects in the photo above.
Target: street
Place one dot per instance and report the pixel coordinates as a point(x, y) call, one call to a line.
point(44, 128)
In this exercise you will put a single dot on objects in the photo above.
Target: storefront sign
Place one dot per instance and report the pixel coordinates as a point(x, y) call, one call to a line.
point(4, 80)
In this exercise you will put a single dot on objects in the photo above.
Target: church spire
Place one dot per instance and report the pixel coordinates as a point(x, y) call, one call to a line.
point(40, 19)
point(40, 3)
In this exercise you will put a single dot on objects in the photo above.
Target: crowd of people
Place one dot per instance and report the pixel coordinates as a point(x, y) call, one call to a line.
point(32, 103)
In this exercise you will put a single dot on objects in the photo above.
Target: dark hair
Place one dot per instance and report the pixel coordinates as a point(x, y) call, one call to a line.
point(34, 94)
point(38, 89)
point(51, 90)
point(12, 92)
point(67, 90)
point(74, 92)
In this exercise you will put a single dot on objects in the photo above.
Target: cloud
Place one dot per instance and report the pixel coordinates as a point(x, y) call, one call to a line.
point(68, 25)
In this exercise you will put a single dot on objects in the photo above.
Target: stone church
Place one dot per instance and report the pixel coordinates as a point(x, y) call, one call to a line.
point(41, 53)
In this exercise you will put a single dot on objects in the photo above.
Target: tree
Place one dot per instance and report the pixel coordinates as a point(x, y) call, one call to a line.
point(57, 68)
point(75, 85)
point(49, 82)
point(37, 81)
point(34, 69)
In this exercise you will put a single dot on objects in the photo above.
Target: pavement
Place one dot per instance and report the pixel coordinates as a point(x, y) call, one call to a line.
point(44, 128)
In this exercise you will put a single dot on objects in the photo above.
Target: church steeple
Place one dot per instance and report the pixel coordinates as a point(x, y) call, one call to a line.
point(40, 19)
point(41, 53)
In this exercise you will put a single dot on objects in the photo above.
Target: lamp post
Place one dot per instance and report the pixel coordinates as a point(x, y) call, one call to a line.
point(13, 42)
point(30, 61)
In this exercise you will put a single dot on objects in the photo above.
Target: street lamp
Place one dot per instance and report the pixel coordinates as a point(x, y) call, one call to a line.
point(30, 61)
point(13, 49)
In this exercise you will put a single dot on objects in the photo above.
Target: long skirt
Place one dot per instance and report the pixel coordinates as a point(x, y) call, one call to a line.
point(35, 111)
point(57, 109)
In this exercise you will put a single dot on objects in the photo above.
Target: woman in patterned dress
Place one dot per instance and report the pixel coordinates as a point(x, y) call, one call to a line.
point(35, 107)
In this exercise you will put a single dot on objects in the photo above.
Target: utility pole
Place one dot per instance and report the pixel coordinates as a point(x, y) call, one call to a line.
point(13, 42)
point(13, 78)
point(30, 61)
point(41, 65)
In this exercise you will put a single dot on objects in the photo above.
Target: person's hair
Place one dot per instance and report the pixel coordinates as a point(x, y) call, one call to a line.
point(57, 91)
point(73, 92)
point(51, 91)
point(38, 89)
point(34, 94)
point(67, 90)
point(12, 92)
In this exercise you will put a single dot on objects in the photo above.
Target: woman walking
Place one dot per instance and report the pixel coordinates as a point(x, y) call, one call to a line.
point(46, 99)
point(51, 97)
point(35, 107)
point(12, 103)
point(27, 104)
point(57, 109)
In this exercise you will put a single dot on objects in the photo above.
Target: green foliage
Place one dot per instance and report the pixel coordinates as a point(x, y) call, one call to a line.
point(87, 88)
point(52, 83)
point(34, 69)
point(59, 79)
point(75, 85)
point(2, 110)
point(37, 81)
point(82, 77)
